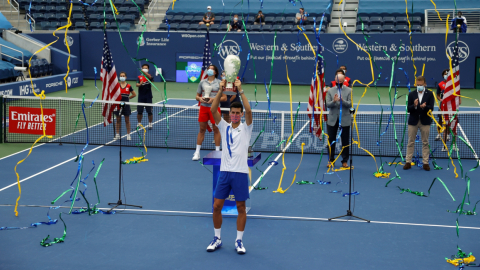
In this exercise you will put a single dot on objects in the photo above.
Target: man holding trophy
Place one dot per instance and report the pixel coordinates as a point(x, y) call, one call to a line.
point(234, 166)
point(207, 90)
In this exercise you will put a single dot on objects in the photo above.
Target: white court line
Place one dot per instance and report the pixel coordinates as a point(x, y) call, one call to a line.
point(278, 156)
point(73, 158)
point(11, 155)
point(269, 216)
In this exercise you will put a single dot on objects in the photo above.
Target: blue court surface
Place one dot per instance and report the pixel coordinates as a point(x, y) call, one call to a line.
point(283, 231)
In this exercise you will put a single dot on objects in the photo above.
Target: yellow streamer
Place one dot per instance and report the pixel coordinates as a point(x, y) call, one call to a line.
point(41, 96)
point(279, 189)
point(139, 159)
point(295, 175)
point(377, 174)
point(114, 7)
point(173, 4)
point(411, 44)
point(423, 70)
point(457, 262)
point(68, 47)
point(438, 13)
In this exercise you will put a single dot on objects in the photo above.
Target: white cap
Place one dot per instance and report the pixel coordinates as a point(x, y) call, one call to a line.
point(209, 7)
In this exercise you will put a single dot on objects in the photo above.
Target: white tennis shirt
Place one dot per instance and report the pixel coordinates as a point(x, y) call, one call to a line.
point(235, 160)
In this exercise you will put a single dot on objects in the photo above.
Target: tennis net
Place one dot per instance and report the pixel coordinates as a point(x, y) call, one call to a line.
point(381, 134)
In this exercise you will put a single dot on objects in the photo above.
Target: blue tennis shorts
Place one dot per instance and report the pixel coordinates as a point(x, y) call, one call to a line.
point(238, 182)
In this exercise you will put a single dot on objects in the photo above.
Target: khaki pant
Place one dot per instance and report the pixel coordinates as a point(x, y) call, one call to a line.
point(424, 134)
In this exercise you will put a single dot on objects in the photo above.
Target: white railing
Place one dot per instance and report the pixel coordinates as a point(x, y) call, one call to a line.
point(1, 45)
point(431, 17)
point(151, 6)
point(14, 7)
point(32, 21)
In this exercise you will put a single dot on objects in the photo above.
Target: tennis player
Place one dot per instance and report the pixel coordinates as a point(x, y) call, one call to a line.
point(234, 168)
point(127, 93)
point(204, 114)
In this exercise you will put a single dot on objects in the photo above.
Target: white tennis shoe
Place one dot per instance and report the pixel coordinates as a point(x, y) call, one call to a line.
point(150, 125)
point(128, 137)
point(196, 156)
point(116, 137)
point(215, 244)
point(239, 247)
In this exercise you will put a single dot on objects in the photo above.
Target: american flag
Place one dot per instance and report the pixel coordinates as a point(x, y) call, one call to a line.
point(111, 88)
point(450, 101)
point(207, 57)
point(316, 98)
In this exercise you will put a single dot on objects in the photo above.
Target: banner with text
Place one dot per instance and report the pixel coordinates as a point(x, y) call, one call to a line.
point(28, 120)
point(294, 50)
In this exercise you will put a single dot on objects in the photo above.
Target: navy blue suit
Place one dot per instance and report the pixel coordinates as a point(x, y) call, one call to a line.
point(419, 113)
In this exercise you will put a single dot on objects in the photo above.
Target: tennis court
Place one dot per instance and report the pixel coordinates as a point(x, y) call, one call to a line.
point(285, 231)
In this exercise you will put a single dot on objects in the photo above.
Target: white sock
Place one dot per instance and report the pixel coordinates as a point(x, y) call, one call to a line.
point(239, 235)
point(217, 233)
point(217, 148)
point(198, 148)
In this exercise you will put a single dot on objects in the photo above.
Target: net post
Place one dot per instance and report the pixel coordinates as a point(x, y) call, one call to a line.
point(282, 134)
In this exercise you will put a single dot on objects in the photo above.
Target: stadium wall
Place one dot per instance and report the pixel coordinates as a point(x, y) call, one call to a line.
point(49, 84)
point(162, 48)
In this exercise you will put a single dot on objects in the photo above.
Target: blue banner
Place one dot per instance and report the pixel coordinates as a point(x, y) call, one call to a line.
point(49, 84)
point(164, 49)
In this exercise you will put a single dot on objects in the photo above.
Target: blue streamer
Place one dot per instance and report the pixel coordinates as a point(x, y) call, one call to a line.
point(324, 182)
point(353, 193)
point(228, 142)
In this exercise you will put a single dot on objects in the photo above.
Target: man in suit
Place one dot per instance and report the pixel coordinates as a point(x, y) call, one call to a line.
point(420, 102)
point(339, 97)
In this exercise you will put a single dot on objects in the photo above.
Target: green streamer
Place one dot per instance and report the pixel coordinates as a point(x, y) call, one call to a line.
point(205, 167)
point(422, 194)
point(393, 178)
point(55, 240)
point(467, 213)
point(305, 183)
point(261, 178)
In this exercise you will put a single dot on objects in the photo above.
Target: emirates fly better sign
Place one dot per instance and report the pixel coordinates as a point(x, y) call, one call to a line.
point(27, 120)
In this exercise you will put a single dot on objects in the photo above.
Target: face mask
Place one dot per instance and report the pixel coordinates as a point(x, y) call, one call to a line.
point(340, 85)
point(420, 88)
point(223, 77)
point(122, 79)
point(208, 10)
point(145, 70)
point(445, 77)
point(210, 72)
point(235, 19)
point(235, 118)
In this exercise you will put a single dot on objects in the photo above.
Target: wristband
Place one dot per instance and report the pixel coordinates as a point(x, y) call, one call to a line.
point(240, 92)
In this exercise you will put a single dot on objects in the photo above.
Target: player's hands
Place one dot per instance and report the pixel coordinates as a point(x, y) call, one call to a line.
point(336, 98)
point(423, 105)
point(415, 102)
point(210, 101)
point(202, 100)
point(238, 84)
point(222, 83)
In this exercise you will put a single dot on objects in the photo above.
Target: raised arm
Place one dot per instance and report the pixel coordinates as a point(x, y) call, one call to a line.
point(216, 102)
point(246, 105)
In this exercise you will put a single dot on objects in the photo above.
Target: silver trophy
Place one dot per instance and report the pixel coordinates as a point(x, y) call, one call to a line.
point(232, 67)
point(207, 89)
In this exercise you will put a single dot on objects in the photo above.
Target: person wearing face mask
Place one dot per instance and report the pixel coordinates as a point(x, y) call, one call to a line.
point(234, 165)
point(345, 82)
point(235, 25)
point(301, 18)
point(259, 18)
point(339, 96)
point(420, 102)
point(208, 17)
point(459, 20)
point(127, 93)
point(212, 84)
point(145, 95)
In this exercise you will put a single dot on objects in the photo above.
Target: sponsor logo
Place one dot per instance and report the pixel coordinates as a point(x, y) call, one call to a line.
point(190, 57)
point(69, 81)
point(193, 72)
point(463, 50)
point(54, 84)
point(27, 120)
point(8, 92)
point(340, 45)
point(25, 89)
point(229, 47)
point(69, 40)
